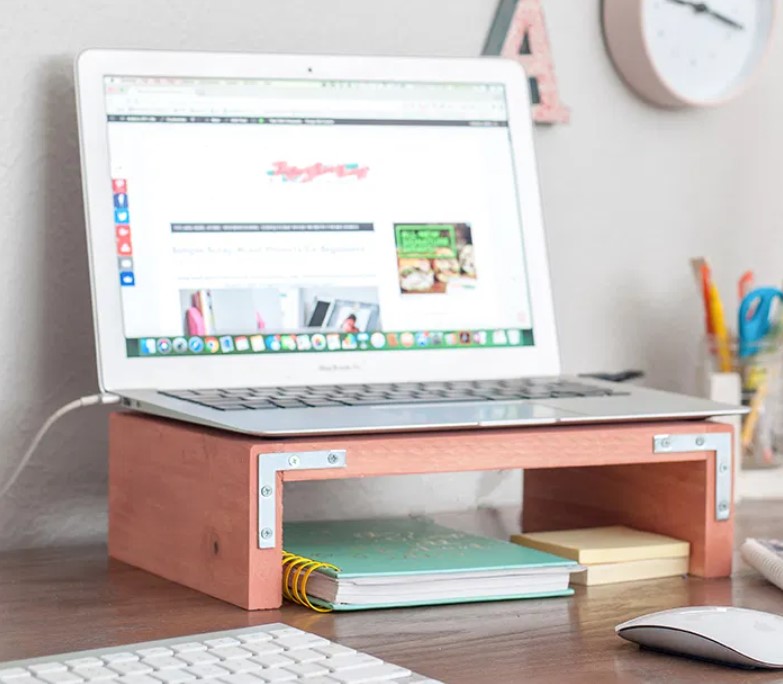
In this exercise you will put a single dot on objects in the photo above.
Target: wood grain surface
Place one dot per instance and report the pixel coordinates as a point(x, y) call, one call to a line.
point(563, 446)
point(184, 507)
point(56, 600)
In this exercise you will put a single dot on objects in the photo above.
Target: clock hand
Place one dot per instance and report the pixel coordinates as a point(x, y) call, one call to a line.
point(703, 8)
point(725, 19)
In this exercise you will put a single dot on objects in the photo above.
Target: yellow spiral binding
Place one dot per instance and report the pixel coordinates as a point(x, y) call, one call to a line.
point(296, 573)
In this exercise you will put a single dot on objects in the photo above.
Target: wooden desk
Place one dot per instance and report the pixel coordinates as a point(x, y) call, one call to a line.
point(73, 598)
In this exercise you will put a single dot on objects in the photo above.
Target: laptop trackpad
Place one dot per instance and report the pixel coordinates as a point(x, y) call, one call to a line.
point(484, 413)
point(521, 413)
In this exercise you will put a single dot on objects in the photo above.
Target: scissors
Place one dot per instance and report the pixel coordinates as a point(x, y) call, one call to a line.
point(755, 318)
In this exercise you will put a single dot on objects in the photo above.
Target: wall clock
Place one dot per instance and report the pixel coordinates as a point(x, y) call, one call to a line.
point(518, 32)
point(685, 53)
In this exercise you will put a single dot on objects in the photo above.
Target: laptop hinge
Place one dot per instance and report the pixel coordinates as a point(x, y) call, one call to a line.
point(718, 442)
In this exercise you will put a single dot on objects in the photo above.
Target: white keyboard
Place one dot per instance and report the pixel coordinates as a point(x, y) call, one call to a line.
point(269, 653)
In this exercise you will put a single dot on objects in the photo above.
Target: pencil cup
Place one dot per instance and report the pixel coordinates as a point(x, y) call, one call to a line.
point(761, 436)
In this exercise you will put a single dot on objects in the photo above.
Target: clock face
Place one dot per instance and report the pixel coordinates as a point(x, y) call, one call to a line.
point(704, 51)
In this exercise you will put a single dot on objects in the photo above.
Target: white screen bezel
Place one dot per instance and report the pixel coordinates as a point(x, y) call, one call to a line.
point(117, 371)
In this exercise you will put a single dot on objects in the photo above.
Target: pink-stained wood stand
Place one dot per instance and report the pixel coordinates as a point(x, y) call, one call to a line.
point(184, 500)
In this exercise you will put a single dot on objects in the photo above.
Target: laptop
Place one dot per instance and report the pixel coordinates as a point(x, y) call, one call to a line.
point(284, 245)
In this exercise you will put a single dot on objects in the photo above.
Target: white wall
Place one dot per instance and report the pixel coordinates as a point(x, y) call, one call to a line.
point(630, 192)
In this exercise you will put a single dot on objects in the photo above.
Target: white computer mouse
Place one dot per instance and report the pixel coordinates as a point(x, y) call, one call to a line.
point(734, 636)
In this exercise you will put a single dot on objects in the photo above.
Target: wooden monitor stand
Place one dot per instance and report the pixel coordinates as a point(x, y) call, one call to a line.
point(204, 507)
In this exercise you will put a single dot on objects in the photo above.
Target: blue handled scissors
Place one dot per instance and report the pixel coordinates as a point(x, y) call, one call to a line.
point(755, 318)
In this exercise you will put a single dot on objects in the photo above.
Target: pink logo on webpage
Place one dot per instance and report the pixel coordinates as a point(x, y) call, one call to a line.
point(306, 174)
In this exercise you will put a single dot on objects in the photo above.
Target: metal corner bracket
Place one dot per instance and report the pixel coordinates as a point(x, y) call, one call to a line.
point(268, 467)
point(720, 443)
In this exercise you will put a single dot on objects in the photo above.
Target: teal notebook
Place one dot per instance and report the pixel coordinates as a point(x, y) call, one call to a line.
point(413, 561)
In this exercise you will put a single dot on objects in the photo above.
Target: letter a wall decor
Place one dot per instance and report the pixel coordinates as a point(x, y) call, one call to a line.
point(518, 32)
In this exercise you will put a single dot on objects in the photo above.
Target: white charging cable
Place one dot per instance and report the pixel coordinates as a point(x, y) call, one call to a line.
point(91, 400)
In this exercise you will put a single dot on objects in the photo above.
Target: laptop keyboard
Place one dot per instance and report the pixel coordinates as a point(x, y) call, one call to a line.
point(255, 398)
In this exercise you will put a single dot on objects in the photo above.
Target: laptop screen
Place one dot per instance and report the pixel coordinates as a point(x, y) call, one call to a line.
point(307, 216)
